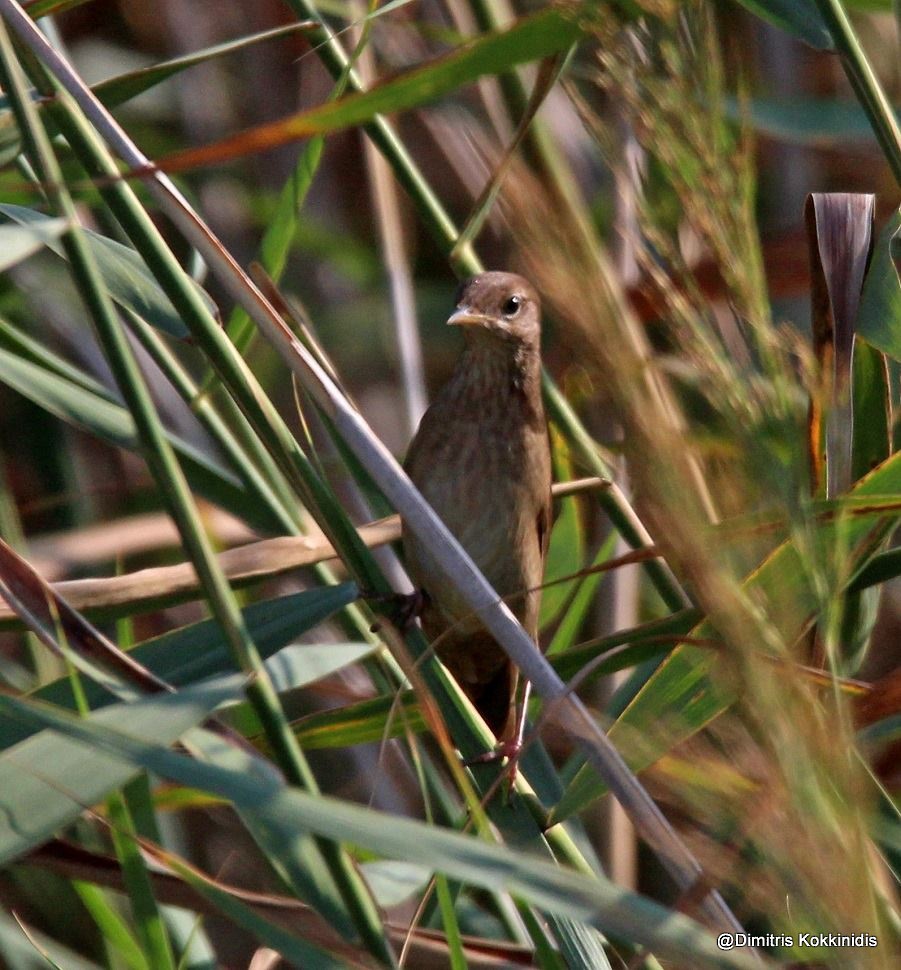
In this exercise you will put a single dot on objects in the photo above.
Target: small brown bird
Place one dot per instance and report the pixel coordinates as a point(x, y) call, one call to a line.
point(481, 457)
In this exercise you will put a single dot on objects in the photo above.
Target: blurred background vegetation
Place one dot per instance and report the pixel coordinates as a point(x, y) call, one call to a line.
point(719, 345)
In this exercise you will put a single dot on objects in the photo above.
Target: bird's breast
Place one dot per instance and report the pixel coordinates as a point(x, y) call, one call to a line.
point(485, 474)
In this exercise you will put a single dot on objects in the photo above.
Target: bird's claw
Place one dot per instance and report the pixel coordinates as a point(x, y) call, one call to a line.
point(402, 608)
point(508, 750)
point(503, 749)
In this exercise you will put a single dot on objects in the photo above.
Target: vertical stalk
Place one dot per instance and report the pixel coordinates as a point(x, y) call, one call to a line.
point(865, 83)
point(176, 494)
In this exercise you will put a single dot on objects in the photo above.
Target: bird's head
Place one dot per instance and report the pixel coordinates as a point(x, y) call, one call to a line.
point(501, 306)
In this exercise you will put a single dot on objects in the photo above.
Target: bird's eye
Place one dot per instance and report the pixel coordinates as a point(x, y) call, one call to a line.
point(511, 307)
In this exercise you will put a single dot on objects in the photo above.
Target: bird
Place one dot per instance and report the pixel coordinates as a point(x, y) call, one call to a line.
point(481, 458)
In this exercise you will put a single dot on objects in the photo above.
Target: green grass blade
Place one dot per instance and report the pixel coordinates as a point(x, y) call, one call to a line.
point(47, 781)
point(124, 273)
point(363, 722)
point(263, 794)
point(149, 925)
point(117, 90)
point(879, 315)
point(532, 38)
point(115, 931)
point(872, 410)
point(449, 922)
point(800, 18)
point(625, 648)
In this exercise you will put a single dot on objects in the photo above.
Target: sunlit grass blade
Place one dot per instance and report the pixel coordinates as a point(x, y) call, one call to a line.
point(116, 932)
point(362, 722)
point(149, 925)
point(872, 397)
point(683, 694)
point(539, 35)
point(581, 602)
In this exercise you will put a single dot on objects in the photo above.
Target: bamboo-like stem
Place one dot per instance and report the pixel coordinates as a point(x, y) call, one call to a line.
point(203, 407)
point(361, 914)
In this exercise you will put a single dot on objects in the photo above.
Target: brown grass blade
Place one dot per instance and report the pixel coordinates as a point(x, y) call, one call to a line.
point(840, 238)
point(50, 616)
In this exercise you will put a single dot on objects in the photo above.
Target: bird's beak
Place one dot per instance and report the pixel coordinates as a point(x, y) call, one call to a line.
point(465, 317)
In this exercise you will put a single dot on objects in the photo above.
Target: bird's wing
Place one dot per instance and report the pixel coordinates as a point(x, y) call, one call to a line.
point(543, 527)
point(546, 511)
point(428, 430)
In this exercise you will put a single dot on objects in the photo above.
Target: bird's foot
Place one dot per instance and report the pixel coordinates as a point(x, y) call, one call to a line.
point(508, 750)
point(503, 749)
point(402, 608)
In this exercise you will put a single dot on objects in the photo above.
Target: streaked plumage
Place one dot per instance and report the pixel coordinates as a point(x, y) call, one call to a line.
point(481, 458)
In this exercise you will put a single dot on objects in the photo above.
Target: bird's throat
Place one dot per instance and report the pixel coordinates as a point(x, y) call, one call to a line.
point(492, 369)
